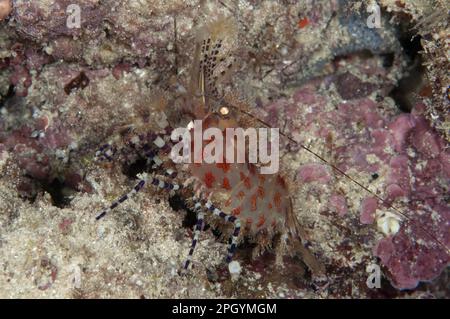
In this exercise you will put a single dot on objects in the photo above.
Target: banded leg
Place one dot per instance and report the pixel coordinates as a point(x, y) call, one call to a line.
point(152, 154)
point(123, 198)
point(154, 181)
point(106, 152)
point(231, 219)
point(170, 173)
point(197, 229)
point(165, 185)
point(143, 144)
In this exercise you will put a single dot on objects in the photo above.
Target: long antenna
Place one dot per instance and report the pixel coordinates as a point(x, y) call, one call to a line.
point(334, 167)
point(340, 171)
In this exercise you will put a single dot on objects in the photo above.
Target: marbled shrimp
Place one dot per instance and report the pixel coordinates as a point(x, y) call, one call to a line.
point(257, 206)
point(254, 206)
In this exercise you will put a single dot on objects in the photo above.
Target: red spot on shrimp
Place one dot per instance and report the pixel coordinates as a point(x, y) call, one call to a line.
point(223, 166)
point(262, 179)
point(226, 183)
point(209, 179)
point(253, 202)
point(241, 195)
point(277, 200)
point(236, 211)
point(261, 191)
point(281, 182)
point(246, 180)
point(261, 220)
point(249, 221)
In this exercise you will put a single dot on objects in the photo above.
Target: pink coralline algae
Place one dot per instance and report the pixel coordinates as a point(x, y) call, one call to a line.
point(35, 150)
point(368, 208)
point(24, 59)
point(400, 151)
point(419, 251)
point(338, 203)
point(314, 172)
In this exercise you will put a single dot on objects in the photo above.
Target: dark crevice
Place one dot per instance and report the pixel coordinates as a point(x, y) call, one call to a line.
point(411, 44)
point(9, 94)
point(135, 168)
point(59, 192)
point(404, 94)
point(177, 203)
point(388, 59)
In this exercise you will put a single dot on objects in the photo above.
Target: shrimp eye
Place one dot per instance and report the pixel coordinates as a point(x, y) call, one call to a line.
point(224, 111)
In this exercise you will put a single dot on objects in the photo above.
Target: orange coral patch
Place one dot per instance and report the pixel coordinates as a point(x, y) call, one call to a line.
point(261, 220)
point(226, 183)
point(269, 205)
point(249, 220)
point(209, 179)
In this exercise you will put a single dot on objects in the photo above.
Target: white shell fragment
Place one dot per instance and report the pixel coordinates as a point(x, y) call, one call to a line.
point(235, 270)
point(388, 223)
